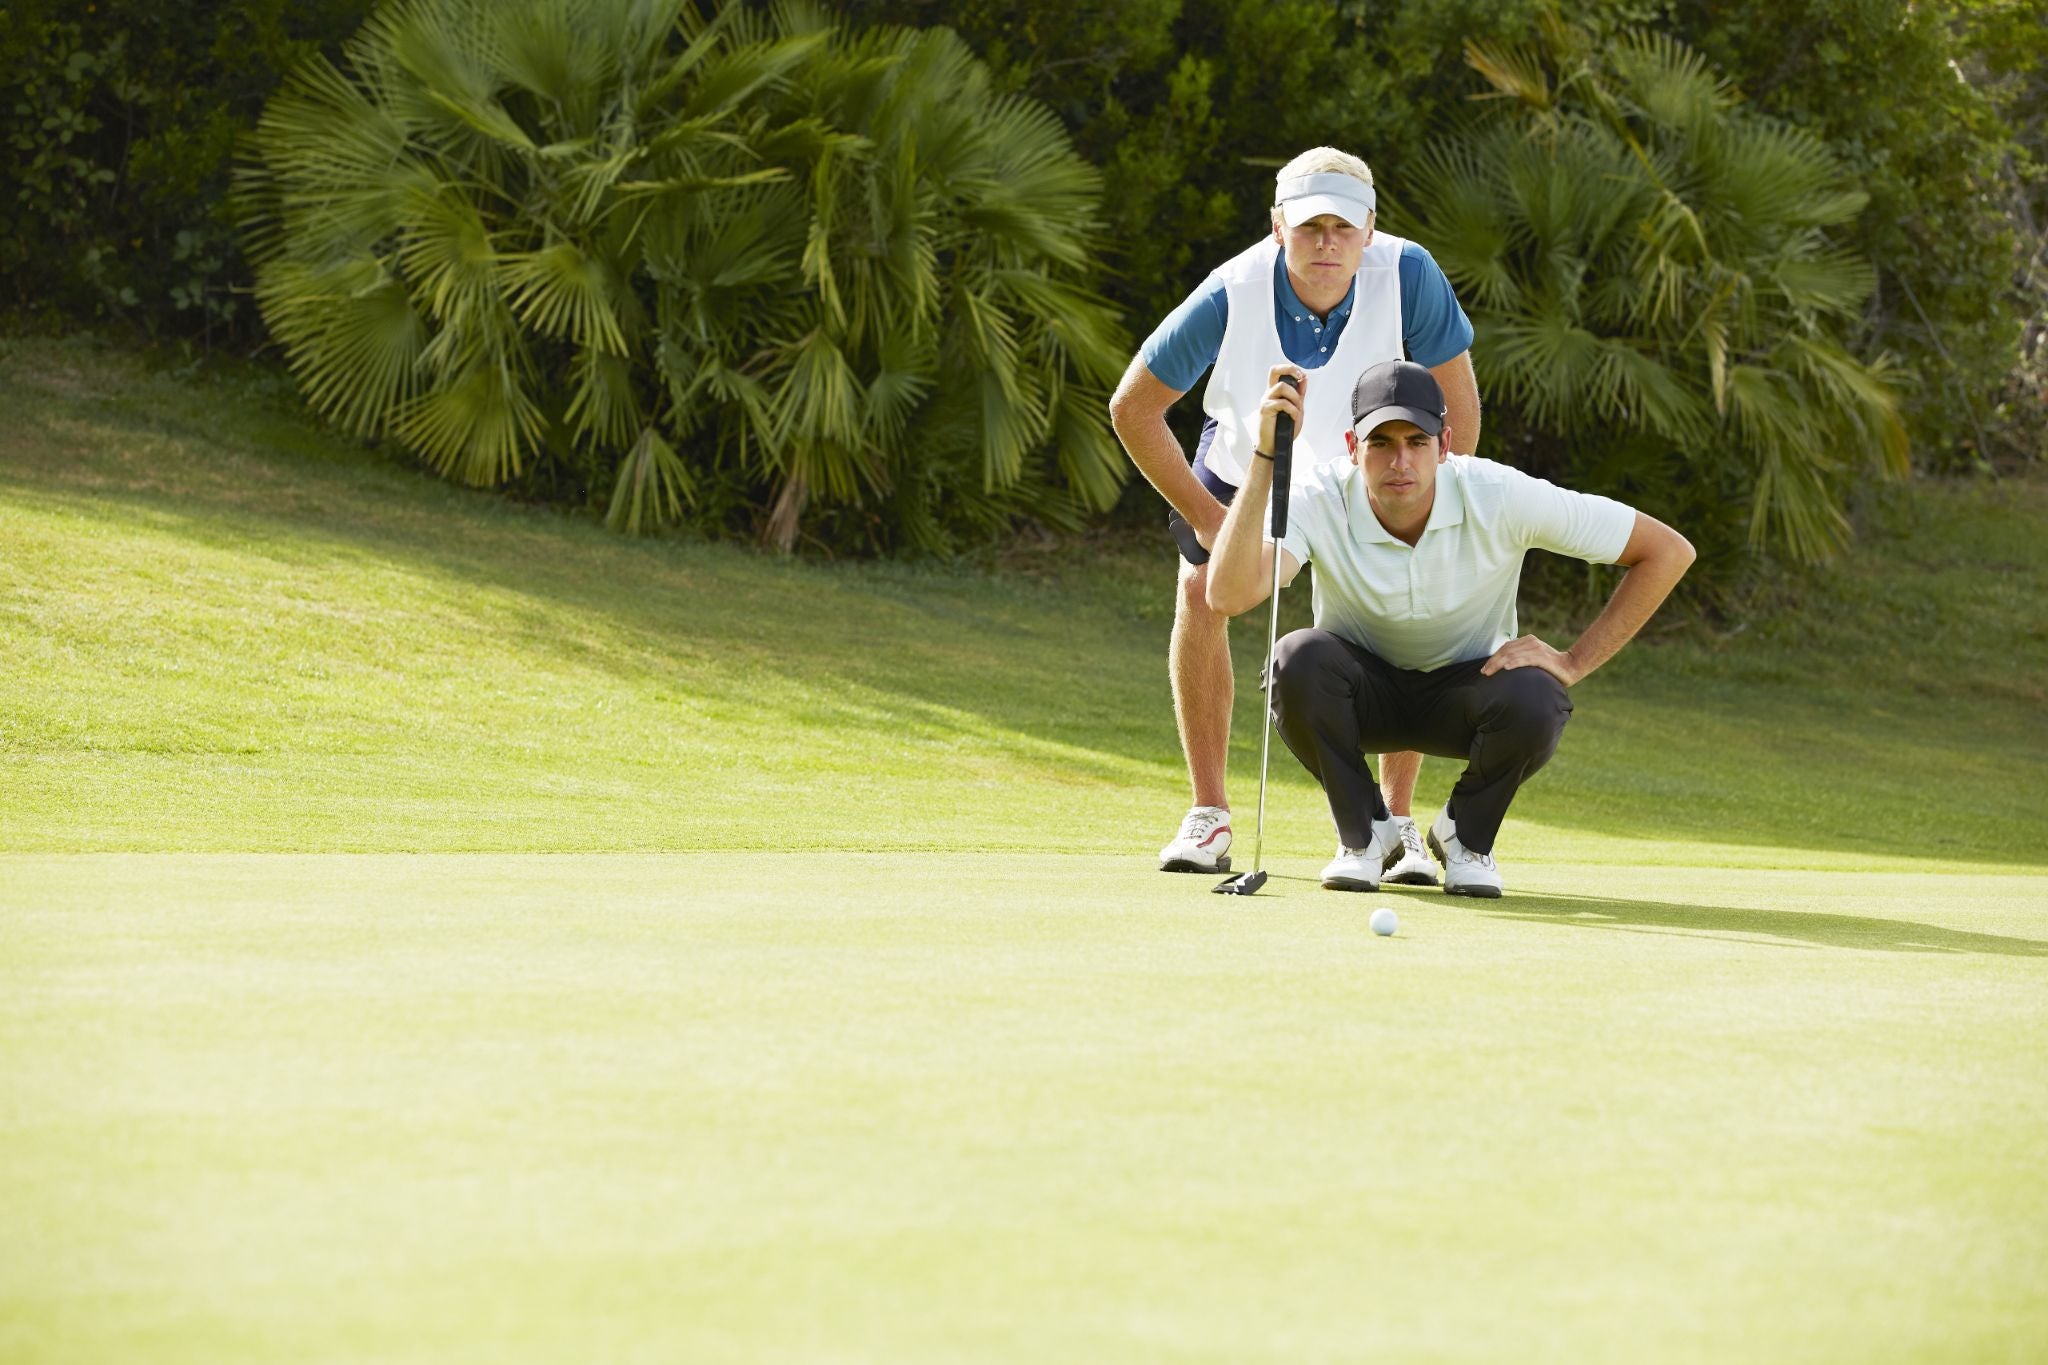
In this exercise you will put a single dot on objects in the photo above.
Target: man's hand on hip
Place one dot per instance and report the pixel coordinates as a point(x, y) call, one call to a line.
point(1530, 652)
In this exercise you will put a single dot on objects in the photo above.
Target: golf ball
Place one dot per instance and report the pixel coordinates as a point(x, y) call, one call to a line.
point(1385, 921)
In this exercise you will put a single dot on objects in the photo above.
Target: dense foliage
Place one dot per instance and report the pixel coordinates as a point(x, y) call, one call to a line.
point(1934, 108)
point(121, 119)
point(801, 279)
point(116, 141)
point(1655, 274)
point(1191, 105)
point(1908, 97)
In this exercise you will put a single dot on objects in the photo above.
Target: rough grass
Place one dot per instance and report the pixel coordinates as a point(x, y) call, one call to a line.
point(785, 977)
point(228, 631)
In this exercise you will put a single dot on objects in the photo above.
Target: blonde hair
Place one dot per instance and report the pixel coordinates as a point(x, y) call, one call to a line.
point(1325, 160)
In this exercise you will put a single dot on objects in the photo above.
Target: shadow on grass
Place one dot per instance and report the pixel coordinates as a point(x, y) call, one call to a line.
point(1787, 928)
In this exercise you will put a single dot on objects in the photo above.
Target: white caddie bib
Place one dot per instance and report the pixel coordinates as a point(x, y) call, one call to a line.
point(1251, 348)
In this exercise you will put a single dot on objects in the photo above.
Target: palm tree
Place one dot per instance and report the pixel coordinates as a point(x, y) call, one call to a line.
point(1648, 263)
point(693, 246)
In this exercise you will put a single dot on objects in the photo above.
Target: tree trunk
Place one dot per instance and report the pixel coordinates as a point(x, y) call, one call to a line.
point(785, 519)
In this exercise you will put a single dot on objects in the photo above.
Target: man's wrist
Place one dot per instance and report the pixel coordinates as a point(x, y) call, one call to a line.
point(1263, 454)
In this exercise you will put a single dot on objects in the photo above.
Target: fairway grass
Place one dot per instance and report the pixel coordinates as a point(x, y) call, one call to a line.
point(744, 1107)
point(435, 929)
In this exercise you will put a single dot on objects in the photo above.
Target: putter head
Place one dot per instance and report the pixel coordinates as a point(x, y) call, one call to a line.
point(1242, 884)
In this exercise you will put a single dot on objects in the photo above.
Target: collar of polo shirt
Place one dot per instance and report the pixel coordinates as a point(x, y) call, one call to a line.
point(1302, 197)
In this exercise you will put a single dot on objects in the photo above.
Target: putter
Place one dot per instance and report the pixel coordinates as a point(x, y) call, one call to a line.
point(1246, 883)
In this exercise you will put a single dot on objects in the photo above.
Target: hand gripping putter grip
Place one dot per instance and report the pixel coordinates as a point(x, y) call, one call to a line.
point(1245, 883)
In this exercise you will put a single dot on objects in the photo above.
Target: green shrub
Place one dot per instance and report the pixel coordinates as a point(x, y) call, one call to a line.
point(1658, 277)
point(116, 148)
point(1899, 93)
point(1189, 106)
point(1186, 102)
point(802, 280)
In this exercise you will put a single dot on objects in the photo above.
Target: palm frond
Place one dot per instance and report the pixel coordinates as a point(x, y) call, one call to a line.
point(604, 406)
point(819, 407)
point(1090, 460)
point(718, 87)
point(1827, 281)
point(446, 47)
point(1861, 395)
point(1076, 324)
point(446, 251)
point(564, 292)
point(837, 262)
point(351, 336)
point(654, 485)
point(1515, 73)
point(904, 375)
point(479, 429)
point(545, 48)
point(1673, 86)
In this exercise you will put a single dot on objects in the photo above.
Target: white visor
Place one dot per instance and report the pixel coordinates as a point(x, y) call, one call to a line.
point(1307, 196)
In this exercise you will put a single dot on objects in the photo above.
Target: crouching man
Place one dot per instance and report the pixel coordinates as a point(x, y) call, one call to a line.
point(1418, 558)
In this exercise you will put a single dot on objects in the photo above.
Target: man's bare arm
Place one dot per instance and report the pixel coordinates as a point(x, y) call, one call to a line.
point(1138, 413)
point(1241, 560)
point(1461, 400)
point(1656, 558)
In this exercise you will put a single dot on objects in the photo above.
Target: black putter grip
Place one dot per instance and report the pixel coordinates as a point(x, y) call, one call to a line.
point(1283, 462)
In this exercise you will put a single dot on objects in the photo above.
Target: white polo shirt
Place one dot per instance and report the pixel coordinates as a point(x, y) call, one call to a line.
point(1451, 597)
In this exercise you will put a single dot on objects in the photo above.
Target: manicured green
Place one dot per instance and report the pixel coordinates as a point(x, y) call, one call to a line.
point(432, 929)
point(938, 1107)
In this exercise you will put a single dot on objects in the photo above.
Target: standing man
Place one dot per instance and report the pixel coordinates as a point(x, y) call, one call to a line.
point(1418, 557)
point(1324, 290)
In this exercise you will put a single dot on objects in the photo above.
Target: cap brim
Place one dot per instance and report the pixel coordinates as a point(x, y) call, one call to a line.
point(1421, 417)
point(1295, 212)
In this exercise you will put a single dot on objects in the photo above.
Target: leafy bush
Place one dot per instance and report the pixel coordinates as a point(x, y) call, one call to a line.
point(1189, 106)
point(116, 136)
point(1899, 93)
point(1657, 275)
point(1185, 102)
point(793, 277)
point(116, 141)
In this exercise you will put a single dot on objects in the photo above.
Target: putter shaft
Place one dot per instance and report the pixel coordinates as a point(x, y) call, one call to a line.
point(1246, 883)
point(1266, 721)
point(1283, 477)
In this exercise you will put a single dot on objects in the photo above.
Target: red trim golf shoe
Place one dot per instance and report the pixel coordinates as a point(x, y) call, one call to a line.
point(1203, 844)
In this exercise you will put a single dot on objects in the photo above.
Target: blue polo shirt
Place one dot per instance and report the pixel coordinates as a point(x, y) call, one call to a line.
point(1433, 327)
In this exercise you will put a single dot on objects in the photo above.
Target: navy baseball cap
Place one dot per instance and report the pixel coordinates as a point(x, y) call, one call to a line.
point(1397, 391)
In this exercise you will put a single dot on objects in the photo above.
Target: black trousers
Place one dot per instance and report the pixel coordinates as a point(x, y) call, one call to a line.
point(1335, 703)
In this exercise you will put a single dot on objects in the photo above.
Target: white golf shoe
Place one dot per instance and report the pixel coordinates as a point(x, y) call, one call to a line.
point(1358, 869)
point(1409, 865)
point(1465, 873)
point(1203, 844)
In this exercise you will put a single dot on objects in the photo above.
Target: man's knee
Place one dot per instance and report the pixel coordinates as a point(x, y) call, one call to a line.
point(1307, 662)
point(1191, 603)
point(1529, 707)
